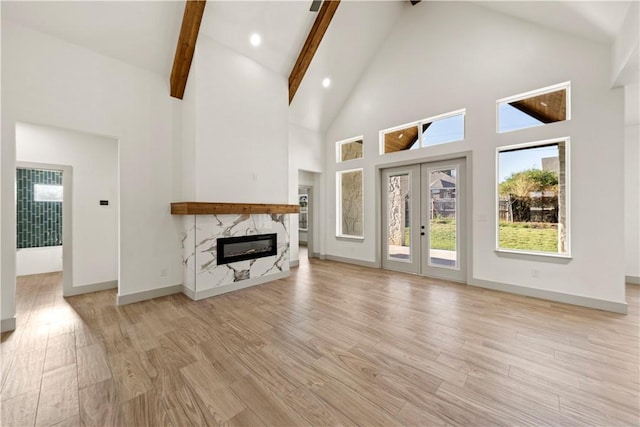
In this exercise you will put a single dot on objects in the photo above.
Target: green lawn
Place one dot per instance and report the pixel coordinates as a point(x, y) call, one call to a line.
point(443, 234)
point(532, 236)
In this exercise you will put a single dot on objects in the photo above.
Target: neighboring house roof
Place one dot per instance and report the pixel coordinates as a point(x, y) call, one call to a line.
point(440, 180)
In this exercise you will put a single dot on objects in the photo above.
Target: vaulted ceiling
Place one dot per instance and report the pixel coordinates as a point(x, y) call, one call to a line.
point(144, 33)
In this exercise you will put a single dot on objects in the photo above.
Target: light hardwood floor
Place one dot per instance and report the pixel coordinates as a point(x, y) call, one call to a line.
point(334, 344)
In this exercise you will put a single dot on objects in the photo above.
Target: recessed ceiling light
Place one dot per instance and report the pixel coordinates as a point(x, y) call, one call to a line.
point(255, 39)
point(326, 82)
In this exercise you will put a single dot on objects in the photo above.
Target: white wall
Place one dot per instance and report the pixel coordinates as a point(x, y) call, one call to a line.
point(38, 260)
point(51, 82)
point(241, 131)
point(306, 153)
point(451, 55)
point(632, 182)
point(94, 160)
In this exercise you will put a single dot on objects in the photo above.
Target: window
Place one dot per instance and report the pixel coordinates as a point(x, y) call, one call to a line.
point(349, 149)
point(349, 203)
point(533, 197)
point(424, 133)
point(535, 108)
point(47, 193)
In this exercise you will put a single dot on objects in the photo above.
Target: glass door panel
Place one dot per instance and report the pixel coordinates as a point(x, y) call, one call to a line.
point(443, 249)
point(399, 217)
point(442, 214)
point(401, 204)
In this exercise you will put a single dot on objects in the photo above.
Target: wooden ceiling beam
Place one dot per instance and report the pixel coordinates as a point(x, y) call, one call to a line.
point(191, 20)
point(310, 47)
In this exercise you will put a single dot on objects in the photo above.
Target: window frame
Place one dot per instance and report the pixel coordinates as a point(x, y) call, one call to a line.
point(419, 123)
point(530, 94)
point(339, 231)
point(339, 145)
point(567, 172)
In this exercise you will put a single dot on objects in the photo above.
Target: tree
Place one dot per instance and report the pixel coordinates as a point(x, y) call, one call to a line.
point(516, 191)
point(522, 183)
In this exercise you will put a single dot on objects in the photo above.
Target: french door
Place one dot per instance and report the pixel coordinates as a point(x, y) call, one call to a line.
point(423, 219)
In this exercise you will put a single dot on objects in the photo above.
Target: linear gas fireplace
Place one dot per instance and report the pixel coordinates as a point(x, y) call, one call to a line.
point(232, 249)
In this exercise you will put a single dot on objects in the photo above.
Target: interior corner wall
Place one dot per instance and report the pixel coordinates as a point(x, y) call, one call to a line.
point(241, 129)
point(306, 153)
point(94, 160)
point(51, 82)
point(451, 55)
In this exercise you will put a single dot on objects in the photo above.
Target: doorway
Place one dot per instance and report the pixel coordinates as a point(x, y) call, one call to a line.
point(43, 220)
point(424, 219)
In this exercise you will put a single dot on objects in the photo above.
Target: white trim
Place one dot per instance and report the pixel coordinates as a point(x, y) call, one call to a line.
point(567, 175)
point(553, 88)
point(359, 262)
point(150, 294)
point(349, 237)
point(93, 287)
point(634, 280)
point(339, 145)
point(339, 233)
point(208, 293)
point(418, 123)
point(534, 253)
point(7, 325)
point(613, 306)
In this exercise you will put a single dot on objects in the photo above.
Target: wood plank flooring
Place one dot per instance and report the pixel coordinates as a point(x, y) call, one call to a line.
point(334, 344)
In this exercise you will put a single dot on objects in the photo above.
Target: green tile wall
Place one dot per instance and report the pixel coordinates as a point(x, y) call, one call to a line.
point(39, 223)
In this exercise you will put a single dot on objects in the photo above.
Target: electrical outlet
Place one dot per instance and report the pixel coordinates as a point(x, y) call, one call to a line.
point(535, 273)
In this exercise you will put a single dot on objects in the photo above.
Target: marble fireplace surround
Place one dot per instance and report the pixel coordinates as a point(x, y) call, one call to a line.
point(203, 223)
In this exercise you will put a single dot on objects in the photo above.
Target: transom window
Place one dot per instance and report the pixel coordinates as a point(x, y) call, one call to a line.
point(535, 108)
point(349, 149)
point(440, 129)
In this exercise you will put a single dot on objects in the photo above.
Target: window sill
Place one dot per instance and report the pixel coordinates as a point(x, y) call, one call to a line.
point(547, 256)
point(346, 237)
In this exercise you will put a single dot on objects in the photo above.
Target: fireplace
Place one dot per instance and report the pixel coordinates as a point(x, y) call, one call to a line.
point(232, 249)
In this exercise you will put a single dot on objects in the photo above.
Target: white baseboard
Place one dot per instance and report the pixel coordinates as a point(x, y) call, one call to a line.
point(94, 287)
point(616, 307)
point(145, 295)
point(634, 280)
point(371, 264)
point(207, 293)
point(294, 263)
point(7, 325)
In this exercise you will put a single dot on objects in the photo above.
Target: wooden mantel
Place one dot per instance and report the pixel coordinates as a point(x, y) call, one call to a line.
point(207, 208)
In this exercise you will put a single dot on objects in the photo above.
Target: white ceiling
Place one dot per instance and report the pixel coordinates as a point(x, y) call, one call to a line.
point(282, 25)
point(348, 47)
point(144, 33)
point(594, 20)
